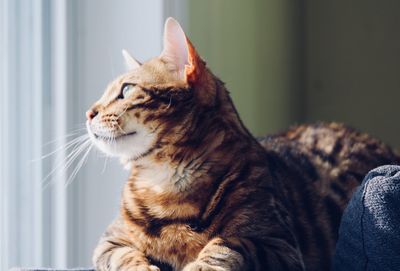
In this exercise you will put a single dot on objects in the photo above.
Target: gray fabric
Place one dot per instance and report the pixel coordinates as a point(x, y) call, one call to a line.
point(369, 235)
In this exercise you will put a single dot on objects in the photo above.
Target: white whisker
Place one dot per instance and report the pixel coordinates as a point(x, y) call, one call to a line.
point(66, 146)
point(67, 161)
point(78, 166)
point(105, 165)
point(119, 127)
point(73, 133)
point(123, 111)
point(170, 101)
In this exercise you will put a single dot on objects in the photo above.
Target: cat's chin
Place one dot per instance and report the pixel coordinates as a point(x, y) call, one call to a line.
point(128, 147)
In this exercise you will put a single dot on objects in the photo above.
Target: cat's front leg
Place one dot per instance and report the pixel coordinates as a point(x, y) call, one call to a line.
point(234, 254)
point(113, 256)
point(117, 252)
point(219, 255)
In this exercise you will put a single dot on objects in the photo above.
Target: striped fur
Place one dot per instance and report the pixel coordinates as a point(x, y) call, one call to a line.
point(204, 194)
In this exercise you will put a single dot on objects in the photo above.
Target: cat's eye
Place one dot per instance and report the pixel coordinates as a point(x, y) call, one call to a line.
point(126, 90)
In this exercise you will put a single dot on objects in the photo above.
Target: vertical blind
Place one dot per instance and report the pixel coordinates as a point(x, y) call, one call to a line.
point(56, 57)
point(21, 119)
point(33, 111)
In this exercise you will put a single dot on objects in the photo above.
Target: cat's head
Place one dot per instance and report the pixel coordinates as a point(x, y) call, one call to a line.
point(154, 103)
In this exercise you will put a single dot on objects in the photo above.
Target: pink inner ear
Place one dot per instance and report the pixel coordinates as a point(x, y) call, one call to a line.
point(175, 47)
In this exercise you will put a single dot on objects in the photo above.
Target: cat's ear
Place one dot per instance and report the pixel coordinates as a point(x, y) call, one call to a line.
point(196, 69)
point(175, 49)
point(130, 62)
point(179, 51)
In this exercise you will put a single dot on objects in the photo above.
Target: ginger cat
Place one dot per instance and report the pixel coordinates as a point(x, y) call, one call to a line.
point(203, 193)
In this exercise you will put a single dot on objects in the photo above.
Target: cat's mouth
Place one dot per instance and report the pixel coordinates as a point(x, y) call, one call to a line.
point(110, 138)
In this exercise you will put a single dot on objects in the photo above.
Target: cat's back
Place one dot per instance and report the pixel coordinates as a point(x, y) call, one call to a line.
point(332, 151)
point(319, 166)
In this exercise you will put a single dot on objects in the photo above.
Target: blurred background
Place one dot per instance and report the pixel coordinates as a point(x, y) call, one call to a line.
point(285, 62)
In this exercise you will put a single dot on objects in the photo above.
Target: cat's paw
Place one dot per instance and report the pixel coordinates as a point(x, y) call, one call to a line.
point(144, 268)
point(200, 266)
point(153, 268)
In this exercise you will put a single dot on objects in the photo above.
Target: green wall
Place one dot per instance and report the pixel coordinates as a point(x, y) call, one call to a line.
point(253, 46)
point(287, 62)
point(353, 65)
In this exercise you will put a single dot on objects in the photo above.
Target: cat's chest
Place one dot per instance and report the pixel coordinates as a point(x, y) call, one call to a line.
point(176, 244)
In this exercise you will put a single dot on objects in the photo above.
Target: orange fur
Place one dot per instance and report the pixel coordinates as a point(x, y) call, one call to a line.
point(204, 194)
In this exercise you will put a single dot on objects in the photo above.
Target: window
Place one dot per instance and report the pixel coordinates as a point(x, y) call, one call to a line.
point(56, 59)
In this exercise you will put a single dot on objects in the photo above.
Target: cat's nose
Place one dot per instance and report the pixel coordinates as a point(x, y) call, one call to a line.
point(90, 114)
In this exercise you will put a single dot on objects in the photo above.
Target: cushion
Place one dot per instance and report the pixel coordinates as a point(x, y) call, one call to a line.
point(369, 234)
